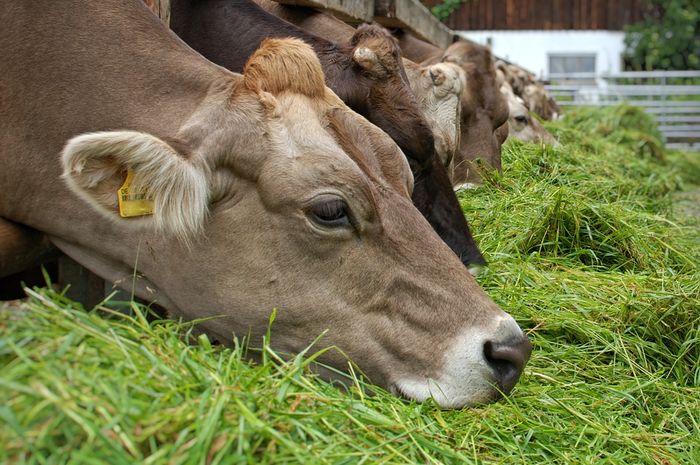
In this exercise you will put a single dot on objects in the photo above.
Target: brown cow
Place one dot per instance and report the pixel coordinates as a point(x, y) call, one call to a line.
point(530, 90)
point(484, 111)
point(439, 89)
point(249, 193)
point(521, 125)
point(538, 100)
point(365, 71)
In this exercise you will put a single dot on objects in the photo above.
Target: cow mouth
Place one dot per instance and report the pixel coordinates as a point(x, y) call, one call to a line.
point(480, 366)
point(421, 391)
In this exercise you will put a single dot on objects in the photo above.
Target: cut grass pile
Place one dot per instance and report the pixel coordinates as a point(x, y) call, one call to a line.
point(587, 251)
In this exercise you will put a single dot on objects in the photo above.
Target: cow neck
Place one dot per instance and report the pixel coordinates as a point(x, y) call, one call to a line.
point(322, 24)
point(118, 55)
point(229, 31)
point(417, 50)
point(84, 67)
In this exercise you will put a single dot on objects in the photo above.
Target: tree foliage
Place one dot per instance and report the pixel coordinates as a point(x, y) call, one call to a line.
point(667, 39)
point(443, 10)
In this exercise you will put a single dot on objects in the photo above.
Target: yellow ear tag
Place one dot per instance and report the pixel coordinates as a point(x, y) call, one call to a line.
point(133, 203)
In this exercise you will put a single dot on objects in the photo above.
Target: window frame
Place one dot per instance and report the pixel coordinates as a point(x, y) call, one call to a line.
point(569, 55)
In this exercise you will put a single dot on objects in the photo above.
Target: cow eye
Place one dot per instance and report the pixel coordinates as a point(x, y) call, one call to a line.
point(521, 119)
point(330, 212)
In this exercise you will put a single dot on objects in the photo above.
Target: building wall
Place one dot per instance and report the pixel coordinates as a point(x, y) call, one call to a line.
point(530, 49)
point(480, 15)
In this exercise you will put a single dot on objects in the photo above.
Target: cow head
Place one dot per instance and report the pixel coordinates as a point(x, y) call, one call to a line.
point(390, 104)
point(275, 195)
point(484, 111)
point(439, 88)
point(538, 100)
point(521, 124)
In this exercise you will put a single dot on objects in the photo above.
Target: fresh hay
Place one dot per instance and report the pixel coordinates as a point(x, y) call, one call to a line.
point(588, 250)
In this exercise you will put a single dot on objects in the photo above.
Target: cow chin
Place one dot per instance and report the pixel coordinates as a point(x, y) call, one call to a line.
point(473, 372)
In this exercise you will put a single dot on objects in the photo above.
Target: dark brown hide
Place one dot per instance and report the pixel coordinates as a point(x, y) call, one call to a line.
point(21, 247)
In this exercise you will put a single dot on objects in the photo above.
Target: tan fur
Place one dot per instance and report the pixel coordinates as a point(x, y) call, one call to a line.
point(521, 125)
point(538, 100)
point(368, 60)
point(439, 89)
point(533, 93)
point(285, 65)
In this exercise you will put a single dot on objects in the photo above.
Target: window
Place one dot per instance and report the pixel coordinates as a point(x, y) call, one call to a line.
point(560, 63)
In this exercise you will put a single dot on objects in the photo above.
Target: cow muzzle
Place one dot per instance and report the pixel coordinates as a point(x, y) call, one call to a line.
point(479, 367)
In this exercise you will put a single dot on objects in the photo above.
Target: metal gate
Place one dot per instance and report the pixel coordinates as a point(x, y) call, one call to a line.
point(673, 97)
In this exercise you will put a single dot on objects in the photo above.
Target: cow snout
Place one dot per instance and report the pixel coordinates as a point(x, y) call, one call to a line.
point(482, 364)
point(507, 360)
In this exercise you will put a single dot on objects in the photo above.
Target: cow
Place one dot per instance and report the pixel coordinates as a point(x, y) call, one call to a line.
point(439, 90)
point(521, 125)
point(515, 76)
point(365, 71)
point(222, 196)
point(484, 111)
point(530, 90)
point(538, 100)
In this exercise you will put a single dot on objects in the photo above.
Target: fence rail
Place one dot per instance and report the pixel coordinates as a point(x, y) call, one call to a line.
point(673, 97)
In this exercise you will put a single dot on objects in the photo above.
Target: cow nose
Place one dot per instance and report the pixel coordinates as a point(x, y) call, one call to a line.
point(507, 359)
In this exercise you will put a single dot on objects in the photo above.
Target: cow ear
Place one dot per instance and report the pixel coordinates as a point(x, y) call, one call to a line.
point(161, 187)
point(367, 59)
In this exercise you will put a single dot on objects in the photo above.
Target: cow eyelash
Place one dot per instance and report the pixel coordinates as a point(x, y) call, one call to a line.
point(330, 212)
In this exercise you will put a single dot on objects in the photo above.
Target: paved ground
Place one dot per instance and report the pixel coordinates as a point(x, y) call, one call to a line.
point(689, 202)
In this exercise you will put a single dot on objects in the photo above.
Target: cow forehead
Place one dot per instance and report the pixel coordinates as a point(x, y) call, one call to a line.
point(335, 135)
point(303, 158)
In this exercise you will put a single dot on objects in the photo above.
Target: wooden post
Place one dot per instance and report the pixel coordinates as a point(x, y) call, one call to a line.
point(161, 8)
point(415, 17)
point(85, 286)
point(350, 11)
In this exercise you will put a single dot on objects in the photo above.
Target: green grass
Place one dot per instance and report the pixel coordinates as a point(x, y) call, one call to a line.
point(590, 249)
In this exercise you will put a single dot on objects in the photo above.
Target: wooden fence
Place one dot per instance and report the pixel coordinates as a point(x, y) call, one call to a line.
point(488, 15)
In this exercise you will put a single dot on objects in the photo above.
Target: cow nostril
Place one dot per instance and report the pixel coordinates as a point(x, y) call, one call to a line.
point(507, 359)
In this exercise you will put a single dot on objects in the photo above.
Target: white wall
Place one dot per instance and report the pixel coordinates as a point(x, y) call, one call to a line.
point(529, 49)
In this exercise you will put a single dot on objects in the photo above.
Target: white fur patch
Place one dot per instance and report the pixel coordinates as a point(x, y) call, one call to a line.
point(464, 186)
point(475, 270)
point(466, 377)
